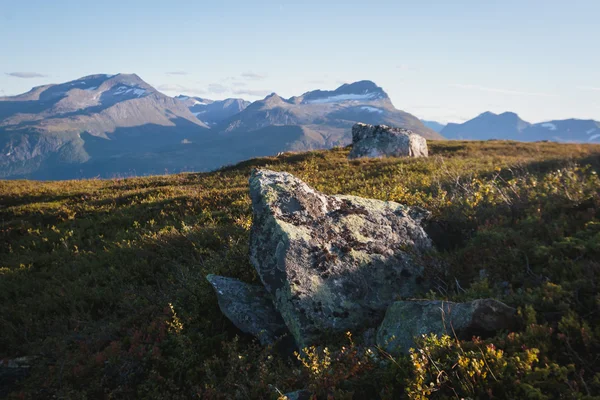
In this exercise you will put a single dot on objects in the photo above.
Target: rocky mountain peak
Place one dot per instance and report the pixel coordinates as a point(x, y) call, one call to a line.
point(362, 91)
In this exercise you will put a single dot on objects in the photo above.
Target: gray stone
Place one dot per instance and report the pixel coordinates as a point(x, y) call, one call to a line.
point(405, 320)
point(332, 263)
point(384, 141)
point(249, 307)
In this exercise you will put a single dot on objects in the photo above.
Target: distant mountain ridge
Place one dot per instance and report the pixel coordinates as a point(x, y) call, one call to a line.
point(509, 126)
point(436, 126)
point(320, 118)
point(107, 125)
point(211, 112)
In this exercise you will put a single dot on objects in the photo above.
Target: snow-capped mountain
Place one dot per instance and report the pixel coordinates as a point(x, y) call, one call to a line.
point(325, 116)
point(93, 117)
point(509, 126)
point(568, 130)
point(211, 112)
point(106, 125)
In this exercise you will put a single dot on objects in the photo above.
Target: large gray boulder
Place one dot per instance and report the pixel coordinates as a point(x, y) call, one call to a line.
point(405, 320)
point(384, 141)
point(332, 263)
point(249, 307)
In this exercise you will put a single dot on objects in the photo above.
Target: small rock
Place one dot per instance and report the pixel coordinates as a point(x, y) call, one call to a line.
point(384, 141)
point(332, 263)
point(406, 320)
point(249, 307)
point(298, 395)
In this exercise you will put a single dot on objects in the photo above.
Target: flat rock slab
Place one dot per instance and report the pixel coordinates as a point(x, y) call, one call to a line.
point(249, 307)
point(384, 141)
point(406, 320)
point(332, 263)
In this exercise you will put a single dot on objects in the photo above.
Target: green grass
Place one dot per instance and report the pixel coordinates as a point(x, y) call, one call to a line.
point(103, 280)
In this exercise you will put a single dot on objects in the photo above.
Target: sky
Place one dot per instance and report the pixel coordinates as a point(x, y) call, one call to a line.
point(437, 59)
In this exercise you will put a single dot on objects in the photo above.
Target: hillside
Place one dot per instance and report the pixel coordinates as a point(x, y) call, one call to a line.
point(509, 126)
point(103, 289)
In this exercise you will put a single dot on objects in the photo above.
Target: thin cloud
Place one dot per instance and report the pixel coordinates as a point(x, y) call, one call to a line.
point(176, 73)
point(501, 91)
point(217, 88)
point(26, 75)
point(169, 87)
point(252, 92)
point(589, 88)
point(239, 84)
point(253, 76)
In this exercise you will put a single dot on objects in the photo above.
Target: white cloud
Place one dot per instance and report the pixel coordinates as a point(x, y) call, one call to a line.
point(589, 88)
point(253, 76)
point(26, 75)
point(501, 91)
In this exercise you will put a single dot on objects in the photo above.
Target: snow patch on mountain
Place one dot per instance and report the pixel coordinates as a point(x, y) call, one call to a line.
point(596, 136)
point(372, 109)
point(548, 125)
point(343, 97)
point(591, 131)
point(124, 90)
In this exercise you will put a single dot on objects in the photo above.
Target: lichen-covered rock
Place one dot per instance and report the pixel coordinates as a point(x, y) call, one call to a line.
point(332, 263)
point(405, 320)
point(249, 307)
point(384, 141)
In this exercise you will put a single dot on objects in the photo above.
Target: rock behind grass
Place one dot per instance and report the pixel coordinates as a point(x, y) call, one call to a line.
point(406, 320)
point(384, 141)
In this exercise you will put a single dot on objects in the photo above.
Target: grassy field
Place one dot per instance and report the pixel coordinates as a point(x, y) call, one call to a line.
point(102, 281)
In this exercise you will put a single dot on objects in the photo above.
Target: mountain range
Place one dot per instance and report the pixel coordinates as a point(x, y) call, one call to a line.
point(118, 125)
point(509, 126)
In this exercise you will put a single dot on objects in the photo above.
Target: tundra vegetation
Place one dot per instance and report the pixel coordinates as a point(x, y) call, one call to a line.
point(102, 282)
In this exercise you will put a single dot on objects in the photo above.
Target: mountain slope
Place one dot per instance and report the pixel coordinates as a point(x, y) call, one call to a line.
point(107, 125)
point(487, 126)
point(211, 112)
point(508, 126)
point(46, 127)
point(436, 126)
point(327, 115)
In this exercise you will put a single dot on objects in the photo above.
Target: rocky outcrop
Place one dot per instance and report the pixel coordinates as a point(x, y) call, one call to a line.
point(384, 141)
point(332, 263)
point(406, 320)
point(249, 307)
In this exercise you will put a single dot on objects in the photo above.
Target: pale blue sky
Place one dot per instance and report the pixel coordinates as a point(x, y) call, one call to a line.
point(438, 59)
